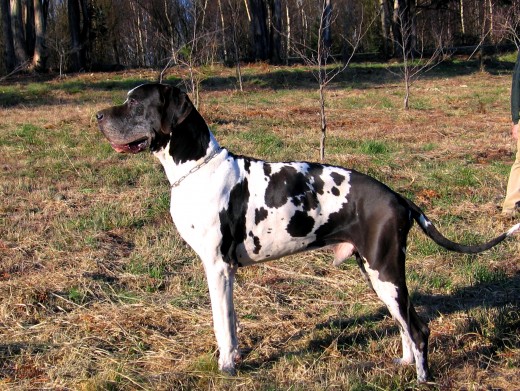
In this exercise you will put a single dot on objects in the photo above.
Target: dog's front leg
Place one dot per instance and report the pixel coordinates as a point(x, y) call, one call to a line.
point(220, 276)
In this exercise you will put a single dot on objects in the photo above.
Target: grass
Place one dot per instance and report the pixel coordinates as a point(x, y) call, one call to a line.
point(98, 291)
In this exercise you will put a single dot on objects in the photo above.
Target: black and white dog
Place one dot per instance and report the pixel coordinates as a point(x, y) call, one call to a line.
point(237, 211)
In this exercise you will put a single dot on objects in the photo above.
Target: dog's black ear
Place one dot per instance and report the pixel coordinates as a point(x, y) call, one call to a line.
point(176, 106)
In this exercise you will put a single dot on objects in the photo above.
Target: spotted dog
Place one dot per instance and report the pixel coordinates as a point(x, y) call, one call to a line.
point(236, 211)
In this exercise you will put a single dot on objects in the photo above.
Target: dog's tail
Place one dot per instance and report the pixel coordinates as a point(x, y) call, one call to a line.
point(431, 231)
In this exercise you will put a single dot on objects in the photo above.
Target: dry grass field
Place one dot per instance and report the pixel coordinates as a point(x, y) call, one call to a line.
point(99, 292)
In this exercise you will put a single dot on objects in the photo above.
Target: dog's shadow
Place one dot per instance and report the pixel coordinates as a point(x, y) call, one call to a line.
point(358, 332)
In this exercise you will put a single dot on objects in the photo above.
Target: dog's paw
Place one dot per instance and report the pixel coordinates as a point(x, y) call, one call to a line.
point(227, 362)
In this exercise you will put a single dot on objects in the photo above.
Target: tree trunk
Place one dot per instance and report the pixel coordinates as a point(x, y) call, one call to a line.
point(259, 36)
point(287, 34)
point(85, 34)
point(276, 32)
point(73, 12)
point(491, 22)
point(323, 122)
point(233, 7)
point(223, 31)
point(10, 57)
point(18, 32)
point(462, 24)
point(327, 20)
point(39, 61)
point(28, 20)
point(387, 7)
point(396, 32)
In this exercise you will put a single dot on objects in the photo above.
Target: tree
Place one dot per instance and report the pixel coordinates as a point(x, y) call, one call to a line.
point(39, 60)
point(414, 62)
point(79, 28)
point(387, 9)
point(10, 57)
point(20, 50)
point(404, 27)
point(23, 25)
point(259, 32)
point(275, 32)
point(510, 23)
point(318, 58)
point(234, 9)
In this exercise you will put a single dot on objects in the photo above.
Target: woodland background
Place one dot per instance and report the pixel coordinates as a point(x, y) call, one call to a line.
point(90, 35)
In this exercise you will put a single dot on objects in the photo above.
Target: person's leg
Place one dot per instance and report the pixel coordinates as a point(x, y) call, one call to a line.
point(513, 185)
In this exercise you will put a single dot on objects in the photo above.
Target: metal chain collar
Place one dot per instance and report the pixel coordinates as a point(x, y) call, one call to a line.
point(196, 168)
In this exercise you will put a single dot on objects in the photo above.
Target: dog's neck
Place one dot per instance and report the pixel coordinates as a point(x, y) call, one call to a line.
point(191, 144)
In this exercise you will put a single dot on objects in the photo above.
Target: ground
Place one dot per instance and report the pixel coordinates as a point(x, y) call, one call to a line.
point(98, 291)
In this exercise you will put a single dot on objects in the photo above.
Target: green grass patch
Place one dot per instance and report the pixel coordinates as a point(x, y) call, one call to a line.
point(336, 144)
point(263, 142)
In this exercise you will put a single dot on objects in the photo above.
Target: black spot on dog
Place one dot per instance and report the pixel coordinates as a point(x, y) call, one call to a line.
point(315, 172)
point(247, 164)
point(256, 241)
point(335, 191)
point(233, 221)
point(300, 225)
point(289, 184)
point(260, 215)
point(337, 178)
point(267, 169)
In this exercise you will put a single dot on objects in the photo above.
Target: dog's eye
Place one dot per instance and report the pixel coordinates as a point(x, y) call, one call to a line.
point(132, 102)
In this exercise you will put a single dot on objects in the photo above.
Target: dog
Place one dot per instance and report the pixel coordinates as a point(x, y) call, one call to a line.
point(236, 211)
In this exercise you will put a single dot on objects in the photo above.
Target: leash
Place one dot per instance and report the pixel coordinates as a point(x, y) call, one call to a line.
point(196, 168)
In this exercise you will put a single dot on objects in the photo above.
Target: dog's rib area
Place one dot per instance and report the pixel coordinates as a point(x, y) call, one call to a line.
point(288, 206)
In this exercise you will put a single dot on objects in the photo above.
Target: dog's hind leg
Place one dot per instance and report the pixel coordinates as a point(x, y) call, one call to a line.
point(414, 333)
point(220, 276)
point(383, 262)
point(361, 264)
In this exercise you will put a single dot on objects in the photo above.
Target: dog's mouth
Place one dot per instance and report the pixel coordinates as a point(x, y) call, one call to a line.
point(133, 147)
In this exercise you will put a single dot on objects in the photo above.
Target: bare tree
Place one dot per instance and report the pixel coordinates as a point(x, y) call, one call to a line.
point(509, 23)
point(189, 54)
point(318, 59)
point(234, 9)
point(414, 62)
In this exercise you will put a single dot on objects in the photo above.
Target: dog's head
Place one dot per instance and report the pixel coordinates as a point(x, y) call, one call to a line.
point(150, 113)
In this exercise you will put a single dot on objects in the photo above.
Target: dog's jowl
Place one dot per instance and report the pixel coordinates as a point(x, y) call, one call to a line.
point(236, 211)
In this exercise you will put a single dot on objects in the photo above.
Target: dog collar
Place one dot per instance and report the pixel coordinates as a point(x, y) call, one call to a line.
point(196, 168)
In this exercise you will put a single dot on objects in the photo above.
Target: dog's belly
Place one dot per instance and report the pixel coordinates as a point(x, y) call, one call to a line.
point(261, 246)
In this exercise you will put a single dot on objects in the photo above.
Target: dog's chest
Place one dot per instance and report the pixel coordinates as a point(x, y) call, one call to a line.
point(196, 202)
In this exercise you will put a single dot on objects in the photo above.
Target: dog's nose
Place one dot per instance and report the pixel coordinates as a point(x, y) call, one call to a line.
point(100, 116)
